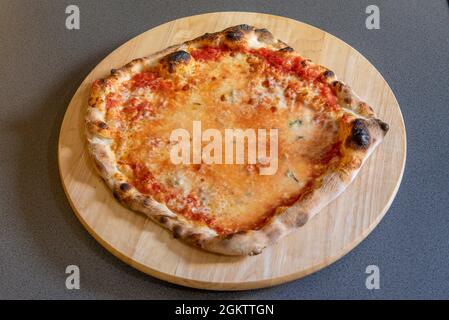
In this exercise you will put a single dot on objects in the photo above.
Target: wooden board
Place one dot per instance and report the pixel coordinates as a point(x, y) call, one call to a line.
point(334, 232)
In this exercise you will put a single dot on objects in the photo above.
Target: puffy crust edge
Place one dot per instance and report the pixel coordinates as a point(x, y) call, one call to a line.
point(361, 137)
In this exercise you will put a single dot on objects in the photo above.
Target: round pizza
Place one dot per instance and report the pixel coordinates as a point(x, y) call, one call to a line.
point(230, 140)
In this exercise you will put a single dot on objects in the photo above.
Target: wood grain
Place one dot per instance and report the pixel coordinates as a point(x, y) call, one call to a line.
point(334, 232)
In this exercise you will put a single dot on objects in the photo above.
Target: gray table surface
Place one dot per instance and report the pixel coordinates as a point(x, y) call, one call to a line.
point(42, 64)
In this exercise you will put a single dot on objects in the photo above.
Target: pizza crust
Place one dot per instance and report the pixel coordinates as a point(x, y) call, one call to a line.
point(360, 138)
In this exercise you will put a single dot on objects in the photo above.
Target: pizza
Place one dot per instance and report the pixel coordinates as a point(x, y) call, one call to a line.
point(164, 130)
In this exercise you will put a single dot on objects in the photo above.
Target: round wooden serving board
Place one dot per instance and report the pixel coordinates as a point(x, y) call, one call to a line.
point(331, 234)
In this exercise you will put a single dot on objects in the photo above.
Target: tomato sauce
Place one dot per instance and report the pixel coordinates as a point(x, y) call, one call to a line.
point(135, 108)
point(111, 102)
point(295, 65)
point(208, 53)
point(150, 79)
point(144, 181)
point(332, 152)
point(287, 65)
point(273, 58)
point(329, 96)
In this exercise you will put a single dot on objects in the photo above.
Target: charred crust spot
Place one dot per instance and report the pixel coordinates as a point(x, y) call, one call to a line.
point(328, 74)
point(176, 58)
point(242, 27)
point(208, 36)
point(114, 71)
point(125, 187)
point(255, 252)
point(177, 230)
point(229, 236)
point(234, 35)
point(134, 62)
point(287, 49)
point(163, 220)
point(195, 238)
point(116, 195)
point(264, 35)
point(92, 101)
point(147, 202)
point(360, 137)
point(384, 126)
point(264, 32)
point(337, 85)
point(305, 63)
point(102, 125)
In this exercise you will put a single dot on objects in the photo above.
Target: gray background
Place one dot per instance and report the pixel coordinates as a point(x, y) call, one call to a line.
point(42, 64)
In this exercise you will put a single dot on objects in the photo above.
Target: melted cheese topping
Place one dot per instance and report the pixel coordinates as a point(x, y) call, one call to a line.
point(247, 89)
